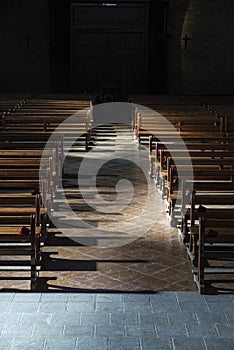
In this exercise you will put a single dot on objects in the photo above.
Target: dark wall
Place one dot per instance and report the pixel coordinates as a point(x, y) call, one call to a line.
point(206, 65)
point(24, 65)
point(60, 46)
point(43, 62)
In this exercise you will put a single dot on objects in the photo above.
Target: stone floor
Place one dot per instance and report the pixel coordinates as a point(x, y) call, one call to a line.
point(120, 321)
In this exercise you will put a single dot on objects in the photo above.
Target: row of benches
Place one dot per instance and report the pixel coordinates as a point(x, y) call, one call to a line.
point(192, 160)
point(30, 165)
point(70, 118)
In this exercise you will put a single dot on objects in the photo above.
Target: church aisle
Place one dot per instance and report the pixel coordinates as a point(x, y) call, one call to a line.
point(154, 259)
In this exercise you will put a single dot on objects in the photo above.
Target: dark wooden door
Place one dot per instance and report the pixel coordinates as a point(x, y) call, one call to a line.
point(118, 49)
point(109, 49)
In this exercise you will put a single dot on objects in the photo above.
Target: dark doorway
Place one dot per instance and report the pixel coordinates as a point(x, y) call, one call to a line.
point(113, 49)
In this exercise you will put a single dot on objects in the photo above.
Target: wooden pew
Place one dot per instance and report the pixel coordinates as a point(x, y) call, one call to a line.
point(204, 174)
point(20, 176)
point(151, 125)
point(26, 248)
point(214, 198)
point(20, 204)
point(11, 103)
point(78, 126)
point(23, 142)
point(216, 244)
point(221, 159)
point(210, 143)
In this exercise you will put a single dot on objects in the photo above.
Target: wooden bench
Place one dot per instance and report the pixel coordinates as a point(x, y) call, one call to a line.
point(211, 143)
point(30, 160)
point(10, 103)
point(25, 248)
point(79, 126)
point(174, 158)
point(147, 127)
point(220, 198)
point(175, 192)
point(216, 244)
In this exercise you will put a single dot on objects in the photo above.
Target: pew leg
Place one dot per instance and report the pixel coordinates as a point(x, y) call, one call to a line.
point(193, 247)
point(164, 188)
point(152, 169)
point(87, 142)
point(184, 229)
point(201, 257)
point(157, 177)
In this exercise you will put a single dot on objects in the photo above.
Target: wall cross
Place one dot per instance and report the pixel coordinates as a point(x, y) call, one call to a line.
point(27, 39)
point(186, 40)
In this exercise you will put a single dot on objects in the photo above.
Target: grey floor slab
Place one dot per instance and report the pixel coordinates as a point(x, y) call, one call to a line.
point(76, 321)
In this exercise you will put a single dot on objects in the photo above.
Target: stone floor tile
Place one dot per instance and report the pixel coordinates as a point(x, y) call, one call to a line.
point(171, 331)
point(156, 344)
point(78, 331)
point(7, 297)
point(222, 306)
point(109, 307)
point(68, 318)
point(7, 318)
point(109, 331)
point(193, 306)
point(140, 331)
point(140, 306)
point(5, 343)
point(28, 344)
point(87, 297)
point(165, 306)
point(90, 319)
point(182, 317)
point(5, 306)
point(190, 296)
point(54, 297)
point(50, 331)
point(218, 297)
point(22, 306)
point(189, 343)
point(53, 306)
point(113, 298)
point(127, 318)
point(80, 306)
point(136, 297)
point(163, 296)
point(202, 330)
point(230, 317)
point(129, 343)
point(219, 344)
point(68, 344)
point(94, 344)
point(28, 297)
point(159, 318)
point(226, 331)
point(14, 330)
point(38, 318)
point(212, 318)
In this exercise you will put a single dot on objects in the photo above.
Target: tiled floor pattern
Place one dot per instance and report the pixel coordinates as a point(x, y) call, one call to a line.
point(85, 321)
